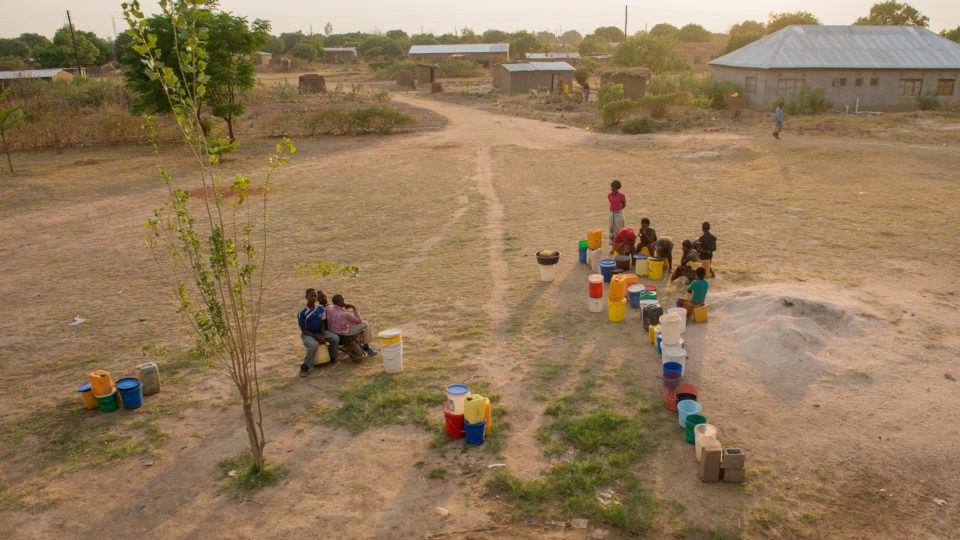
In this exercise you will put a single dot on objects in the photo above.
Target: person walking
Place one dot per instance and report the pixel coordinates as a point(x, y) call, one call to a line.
point(778, 118)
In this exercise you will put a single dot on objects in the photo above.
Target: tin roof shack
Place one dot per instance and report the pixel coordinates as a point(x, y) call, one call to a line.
point(261, 58)
point(634, 80)
point(489, 53)
point(860, 67)
point(339, 55)
point(8, 78)
point(522, 78)
point(553, 57)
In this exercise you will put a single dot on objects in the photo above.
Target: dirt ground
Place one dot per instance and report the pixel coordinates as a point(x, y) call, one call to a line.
point(830, 356)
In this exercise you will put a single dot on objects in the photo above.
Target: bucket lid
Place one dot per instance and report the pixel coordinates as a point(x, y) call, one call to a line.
point(389, 333)
point(457, 389)
point(635, 289)
point(595, 278)
point(84, 388)
point(647, 301)
point(608, 262)
point(128, 383)
point(639, 256)
point(650, 287)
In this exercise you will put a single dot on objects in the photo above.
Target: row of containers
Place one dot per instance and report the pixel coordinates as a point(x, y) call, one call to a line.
point(466, 415)
point(642, 264)
point(101, 392)
point(625, 289)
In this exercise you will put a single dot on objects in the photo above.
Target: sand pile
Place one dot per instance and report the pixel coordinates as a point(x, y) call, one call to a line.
point(788, 336)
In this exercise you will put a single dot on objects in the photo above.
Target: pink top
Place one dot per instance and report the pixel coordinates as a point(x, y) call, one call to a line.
point(339, 320)
point(617, 201)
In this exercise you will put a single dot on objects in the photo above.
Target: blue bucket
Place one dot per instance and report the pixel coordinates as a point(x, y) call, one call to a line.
point(473, 433)
point(583, 255)
point(635, 295)
point(685, 408)
point(659, 343)
point(131, 392)
point(672, 366)
point(606, 268)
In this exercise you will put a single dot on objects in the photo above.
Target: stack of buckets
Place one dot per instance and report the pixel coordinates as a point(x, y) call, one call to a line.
point(467, 416)
point(101, 393)
point(392, 352)
point(617, 296)
point(595, 291)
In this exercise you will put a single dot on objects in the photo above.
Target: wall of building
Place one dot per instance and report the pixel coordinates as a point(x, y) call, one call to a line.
point(882, 96)
point(521, 82)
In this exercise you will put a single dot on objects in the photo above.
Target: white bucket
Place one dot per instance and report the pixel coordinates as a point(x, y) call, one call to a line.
point(670, 328)
point(593, 257)
point(548, 272)
point(456, 395)
point(682, 312)
point(392, 358)
point(674, 353)
point(595, 305)
point(703, 433)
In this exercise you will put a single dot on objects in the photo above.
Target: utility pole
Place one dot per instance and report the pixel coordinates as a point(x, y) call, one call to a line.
point(73, 36)
point(624, 22)
point(113, 21)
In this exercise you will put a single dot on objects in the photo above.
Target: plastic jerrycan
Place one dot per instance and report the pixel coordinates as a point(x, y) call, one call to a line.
point(474, 409)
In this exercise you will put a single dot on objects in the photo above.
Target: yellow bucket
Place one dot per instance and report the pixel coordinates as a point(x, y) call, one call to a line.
point(655, 269)
point(594, 238)
point(700, 314)
point(654, 328)
point(390, 336)
point(86, 394)
point(616, 309)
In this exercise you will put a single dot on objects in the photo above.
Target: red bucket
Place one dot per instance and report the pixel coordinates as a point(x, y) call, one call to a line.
point(596, 290)
point(670, 396)
point(454, 423)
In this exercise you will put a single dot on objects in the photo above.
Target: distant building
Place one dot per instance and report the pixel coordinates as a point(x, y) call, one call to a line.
point(261, 58)
point(339, 55)
point(634, 80)
point(490, 53)
point(8, 78)
point(522, 78)
point(869, 67)
point(552, 56)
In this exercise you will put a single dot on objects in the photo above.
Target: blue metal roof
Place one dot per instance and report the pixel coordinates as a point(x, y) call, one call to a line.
point(538, 66)
point(553, 56)
point(846, 47)
point(461, 48)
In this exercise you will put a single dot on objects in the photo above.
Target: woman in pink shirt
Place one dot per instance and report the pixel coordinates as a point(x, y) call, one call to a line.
point(618, 201)
point(344, 320)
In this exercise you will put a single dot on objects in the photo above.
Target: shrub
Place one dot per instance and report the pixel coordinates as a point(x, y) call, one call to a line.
point(809, 100)
point(928, 102)
point(459, 69)
point(634, 126)
point(582, 74)
point(387, 71)
point(382, 120)
point(329, 121)
point(658, 105)
point(608, 94)
point(613, 112)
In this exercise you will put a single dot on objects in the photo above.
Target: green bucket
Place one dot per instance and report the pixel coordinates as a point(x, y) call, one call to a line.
point(108, 403)
point(583, 244)
point(692, 421)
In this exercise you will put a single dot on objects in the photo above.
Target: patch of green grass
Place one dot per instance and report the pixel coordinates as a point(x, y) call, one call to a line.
point(246, 477)
point(771, 517)
point(810, 517)
point(605, 432)
point(438, 473)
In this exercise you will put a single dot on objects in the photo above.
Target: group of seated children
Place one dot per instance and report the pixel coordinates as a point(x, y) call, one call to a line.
point(334, 326)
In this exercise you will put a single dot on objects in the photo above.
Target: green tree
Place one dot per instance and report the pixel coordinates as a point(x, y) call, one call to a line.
point(382, 47)
point(660, 55)
point(10, 117)
point(747, 27)
point(423, 39)
point(104, 47)
point(495, 36)
point(447, 39)
point(593, 45)
point(694, 33)
point(290, 39)
point(782, 20)
point(548, 38)
point(35, 41)
point(274, 46)
point(893, 13)
point(571, 38)
point(14, 47)
point(397, 35)
point(229, 42)
point(740, 39)
point(305, 51)
point(952, 34)
point(467, 35)
point(665, 30)
point(609, 34)
point(524, 42)
point(60, 52)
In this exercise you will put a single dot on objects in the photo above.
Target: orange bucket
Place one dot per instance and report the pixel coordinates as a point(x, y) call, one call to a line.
point(101, 383)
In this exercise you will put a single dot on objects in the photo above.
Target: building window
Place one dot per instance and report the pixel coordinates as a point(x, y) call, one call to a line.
point(874, 81)
point(945, 87)
point(750, 85)
point(910, 87)
point(839, 82)
point(858, 82)
point(788, 87)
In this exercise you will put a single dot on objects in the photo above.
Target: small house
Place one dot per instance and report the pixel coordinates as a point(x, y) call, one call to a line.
point(339, 55)
point(261, 58)
point(634, 80)
point(426, 74)
point(8, 78)
point(522, 78)
point(489, 53)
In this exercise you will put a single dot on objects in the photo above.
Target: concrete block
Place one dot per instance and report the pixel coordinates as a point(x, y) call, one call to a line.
point(733, 458)
point(710, 456)
point(735, 476)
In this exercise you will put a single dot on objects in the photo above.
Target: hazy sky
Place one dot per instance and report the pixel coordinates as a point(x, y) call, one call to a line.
point(45, 16)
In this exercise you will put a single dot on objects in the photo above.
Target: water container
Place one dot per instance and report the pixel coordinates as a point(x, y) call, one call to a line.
point(640, 265)
point(674, 354)
point(473, 409)
point(671, 379)
point(651, 314)
point(594, 238)
point(623, 262)
point(650, 287)
point(672, 366)
point(617, 309)
point(595, 305)
point(593, 259)
point(473, 432)
point(693, 420)
point(633, 294)
point(595, 286)
point(86, 394)
point(682, 312)
point(547, 260)
point(700, 314)
point(670, 396)
point(685, 408)
point(488, 416)
point(618, 288)
point(655, 269)
point(630, 279)
point(108, 402)
point(390, 336)
point(456, 394)
point(101, 383)
point(670, 328)
point(131, 392)
point(653, 329)
point(453, 424)
point(703, 434)
point(149, 375)
point(392, 358)
point(606, 269)
point(582, 251)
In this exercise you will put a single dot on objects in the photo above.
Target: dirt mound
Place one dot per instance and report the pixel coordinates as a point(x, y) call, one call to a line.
point(788, 336)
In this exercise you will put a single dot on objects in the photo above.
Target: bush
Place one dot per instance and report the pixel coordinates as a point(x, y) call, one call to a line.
point(329, 121)
point(928, 102)
point(704, 91)
point(613, 112)
point(459, 69)
point(608, 94)
point(582, 74)
point(387, 71)
point(658, 105)
point(382, 120)
point(634, 126)
point(809, 100)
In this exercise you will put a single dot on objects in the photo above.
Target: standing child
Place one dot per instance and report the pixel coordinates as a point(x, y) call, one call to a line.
point(708, 244)
point(618, 201)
